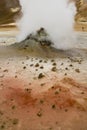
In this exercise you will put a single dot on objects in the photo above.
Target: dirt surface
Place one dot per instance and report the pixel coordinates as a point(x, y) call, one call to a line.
point(42, 88)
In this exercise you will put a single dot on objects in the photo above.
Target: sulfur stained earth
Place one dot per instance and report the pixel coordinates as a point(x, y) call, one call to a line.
point(42, 88)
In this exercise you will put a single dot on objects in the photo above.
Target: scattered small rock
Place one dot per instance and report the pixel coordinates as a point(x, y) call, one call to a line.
point(15, 121)
point(62, 63)
point(28, 90)
point(54, 69)
point(71, 65)
point(57, 92)
point(5, 70)
point(52, 60)
point(45, 61)
point(41, 67)
point(40, 61)
point(41, 75)
point(36, 70)
point(22, 62)
point(82, 93)
point(42, 84)
point(53, 106)
point(31, 65)
point(39, 114)
point(54, 64)
point(16, 76)
point(66, 68)
point(24, 67)
point(66, 110)
point(65, 74)
point(13, 107)
point(77, 70)
point(41, 101)
point(37, 65)
point(2, 127)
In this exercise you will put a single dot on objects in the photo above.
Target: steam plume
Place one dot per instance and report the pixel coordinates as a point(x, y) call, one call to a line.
point(56, 16)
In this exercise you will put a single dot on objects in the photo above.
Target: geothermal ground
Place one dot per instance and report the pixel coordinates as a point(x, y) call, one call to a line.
point(42, 88)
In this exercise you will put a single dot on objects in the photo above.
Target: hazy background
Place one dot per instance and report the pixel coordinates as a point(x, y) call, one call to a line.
point(9, 10)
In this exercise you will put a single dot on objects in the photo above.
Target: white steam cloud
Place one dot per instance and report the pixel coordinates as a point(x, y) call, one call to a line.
point(56, 16)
